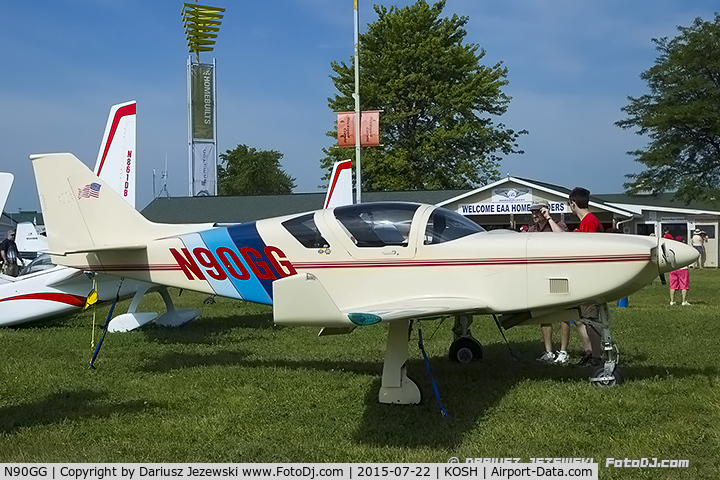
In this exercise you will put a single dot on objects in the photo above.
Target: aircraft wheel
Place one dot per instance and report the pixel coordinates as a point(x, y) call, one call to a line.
point(465, 350)
point(600, 379)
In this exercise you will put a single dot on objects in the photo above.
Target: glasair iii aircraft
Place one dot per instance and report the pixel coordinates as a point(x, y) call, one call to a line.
point(353, 265)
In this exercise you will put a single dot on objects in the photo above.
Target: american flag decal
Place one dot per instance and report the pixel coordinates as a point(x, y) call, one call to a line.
point(89, 190)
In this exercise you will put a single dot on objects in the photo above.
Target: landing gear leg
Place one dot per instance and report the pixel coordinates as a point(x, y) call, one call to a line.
point(396, 386)
point(465, 348)
point(608, 374)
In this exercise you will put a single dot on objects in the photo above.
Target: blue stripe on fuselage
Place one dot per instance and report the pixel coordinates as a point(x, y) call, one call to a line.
point(252, 289)
point(246, 235)
point(224, 288)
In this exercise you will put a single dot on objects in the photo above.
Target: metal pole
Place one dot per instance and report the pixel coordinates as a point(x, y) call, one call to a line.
point(356, 95)
point(190, 127)
point(214, 191)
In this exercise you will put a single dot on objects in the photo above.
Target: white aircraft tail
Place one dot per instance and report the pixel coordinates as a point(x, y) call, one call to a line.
point(28, 240)
point(340, 187)
point(82, 213)
point(116, 160)
point(6, 181)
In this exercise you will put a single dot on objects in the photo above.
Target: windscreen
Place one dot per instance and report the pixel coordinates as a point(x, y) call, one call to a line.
point(445, 225)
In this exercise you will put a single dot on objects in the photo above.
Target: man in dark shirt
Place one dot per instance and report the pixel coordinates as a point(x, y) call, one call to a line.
point(10, 257)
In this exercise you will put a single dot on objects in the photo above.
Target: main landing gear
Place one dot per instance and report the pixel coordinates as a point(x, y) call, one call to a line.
point(608, 374)
point(396, 387)
point(465, 348)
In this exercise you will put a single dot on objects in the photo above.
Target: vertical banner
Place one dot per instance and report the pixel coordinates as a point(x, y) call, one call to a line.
point(204, 170)
point(203, 102)
point(202, 129)
point(369, 129)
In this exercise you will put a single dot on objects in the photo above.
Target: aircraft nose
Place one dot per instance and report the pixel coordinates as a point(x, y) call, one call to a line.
point(673, 255)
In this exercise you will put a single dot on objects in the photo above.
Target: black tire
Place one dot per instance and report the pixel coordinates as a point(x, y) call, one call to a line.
point(599, 373)
point(465, 350)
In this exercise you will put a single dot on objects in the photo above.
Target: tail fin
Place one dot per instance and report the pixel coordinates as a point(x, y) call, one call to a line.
point(81, 212)
point(115, 162)
point(6, 181)
point(29, 241)
point(340, 188)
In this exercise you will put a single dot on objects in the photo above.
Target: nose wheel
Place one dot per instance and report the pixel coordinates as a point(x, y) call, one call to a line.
point(606, 377)
point(608, 374)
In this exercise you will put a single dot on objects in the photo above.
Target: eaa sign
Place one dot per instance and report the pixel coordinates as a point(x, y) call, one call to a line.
point(506, 208)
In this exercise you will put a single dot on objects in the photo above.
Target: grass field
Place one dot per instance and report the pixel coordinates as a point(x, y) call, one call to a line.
point(231, 387)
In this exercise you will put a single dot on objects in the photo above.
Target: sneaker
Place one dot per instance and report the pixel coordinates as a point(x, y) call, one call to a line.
point(584, 360)
point(562, 357)
point(595, 362)
point(548, 357)
point(672, 303)
point(687, 304)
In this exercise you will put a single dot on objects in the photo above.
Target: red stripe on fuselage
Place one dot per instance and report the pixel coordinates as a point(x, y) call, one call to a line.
point(475, 262)
point(472, 262)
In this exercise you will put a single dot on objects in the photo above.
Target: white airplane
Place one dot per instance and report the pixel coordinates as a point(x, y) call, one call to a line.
point(354, 265)
point(44, 289)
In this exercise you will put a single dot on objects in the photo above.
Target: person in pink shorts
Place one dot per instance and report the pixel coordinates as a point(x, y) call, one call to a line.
point(680, 280)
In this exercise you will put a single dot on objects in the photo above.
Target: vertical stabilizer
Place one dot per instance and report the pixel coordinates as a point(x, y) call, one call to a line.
point(340, 187)
point(116, 162)
point(81, 211)
point(6, 181)
point(29, 241)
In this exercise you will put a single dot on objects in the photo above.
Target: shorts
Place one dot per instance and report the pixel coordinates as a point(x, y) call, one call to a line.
point(680, 279)
point(591, 311)
point(11, 269)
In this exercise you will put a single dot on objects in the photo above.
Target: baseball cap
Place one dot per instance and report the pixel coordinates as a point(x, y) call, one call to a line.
point(538, 206)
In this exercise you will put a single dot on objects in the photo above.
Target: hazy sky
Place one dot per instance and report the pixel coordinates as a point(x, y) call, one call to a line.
point(571, 66)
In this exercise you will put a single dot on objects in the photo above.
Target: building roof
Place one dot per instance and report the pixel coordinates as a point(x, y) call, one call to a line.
point(662, 201)
point(27, 216)
point(238, 209)
point(547, 188)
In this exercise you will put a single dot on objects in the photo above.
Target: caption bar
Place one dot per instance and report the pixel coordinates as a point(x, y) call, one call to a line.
point(301, 471)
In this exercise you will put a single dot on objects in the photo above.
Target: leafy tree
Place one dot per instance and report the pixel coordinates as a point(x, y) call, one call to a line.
point(246, 171)
point(436, 98)
point(681, 116)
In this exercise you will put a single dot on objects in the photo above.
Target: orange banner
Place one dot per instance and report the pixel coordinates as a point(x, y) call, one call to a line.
point(369, 129)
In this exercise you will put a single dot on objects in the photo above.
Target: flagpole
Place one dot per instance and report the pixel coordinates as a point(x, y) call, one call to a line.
point(356, 96)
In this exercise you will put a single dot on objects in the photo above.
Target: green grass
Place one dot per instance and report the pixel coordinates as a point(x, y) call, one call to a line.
point(231, 387)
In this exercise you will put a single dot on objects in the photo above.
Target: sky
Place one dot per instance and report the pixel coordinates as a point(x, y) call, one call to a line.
point(571, 66)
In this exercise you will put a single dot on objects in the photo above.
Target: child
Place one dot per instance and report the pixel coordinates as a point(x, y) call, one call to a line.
point(679, 280)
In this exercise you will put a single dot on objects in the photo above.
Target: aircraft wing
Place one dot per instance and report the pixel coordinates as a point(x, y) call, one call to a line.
point(101, 248)
point(421, 307)
point(303, 300)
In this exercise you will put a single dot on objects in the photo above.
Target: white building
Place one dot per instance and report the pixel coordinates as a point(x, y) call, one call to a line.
point(505, 204)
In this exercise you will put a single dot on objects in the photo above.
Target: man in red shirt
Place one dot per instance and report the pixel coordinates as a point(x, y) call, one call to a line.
point(579, 200)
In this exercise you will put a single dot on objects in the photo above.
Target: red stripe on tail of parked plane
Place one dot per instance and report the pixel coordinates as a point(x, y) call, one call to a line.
point(122, 112)
point(74, 300)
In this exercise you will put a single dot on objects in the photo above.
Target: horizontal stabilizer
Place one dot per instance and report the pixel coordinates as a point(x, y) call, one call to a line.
point(177, 318)
point(130, 321)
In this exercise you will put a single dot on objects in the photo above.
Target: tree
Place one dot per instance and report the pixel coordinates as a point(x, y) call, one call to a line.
point(246, 171)
point(436, 101)
point(681, 116)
